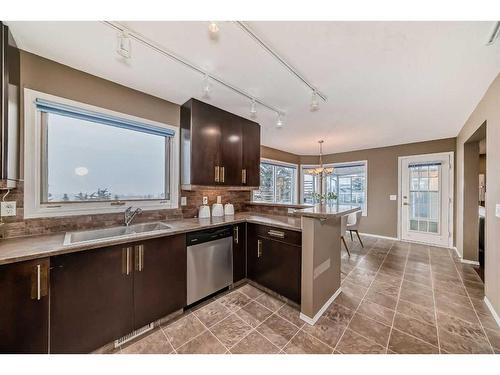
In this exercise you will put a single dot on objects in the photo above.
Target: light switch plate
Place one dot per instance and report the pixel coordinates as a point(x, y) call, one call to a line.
point(205, 200)
point(497, 210)
point(183, 201)
point(8, 208)
point(393, 197)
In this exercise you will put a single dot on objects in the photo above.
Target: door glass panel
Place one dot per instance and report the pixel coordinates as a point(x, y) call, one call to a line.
point(424, 203)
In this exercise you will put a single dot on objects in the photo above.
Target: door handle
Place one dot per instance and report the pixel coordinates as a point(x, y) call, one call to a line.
point(236, 234)
point(259, 248)
point(139, 257)
point(243, 176)
point(222, 173)
point(38, 281)
point(276, 233)
point(126, 260)
point(216, 178)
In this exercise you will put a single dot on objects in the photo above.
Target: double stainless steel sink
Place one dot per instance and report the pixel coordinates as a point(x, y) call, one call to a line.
point(101, 234)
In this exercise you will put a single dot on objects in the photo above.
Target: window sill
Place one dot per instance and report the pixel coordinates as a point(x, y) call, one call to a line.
point(79, 209)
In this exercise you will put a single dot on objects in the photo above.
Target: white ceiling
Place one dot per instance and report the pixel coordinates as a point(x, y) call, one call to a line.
point(387, 82)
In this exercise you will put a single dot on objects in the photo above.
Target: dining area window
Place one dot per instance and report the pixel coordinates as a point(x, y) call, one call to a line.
point(278, 183)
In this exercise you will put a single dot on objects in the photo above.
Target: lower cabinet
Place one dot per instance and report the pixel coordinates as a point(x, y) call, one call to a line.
point(24, 307)
point(100, 295)
point(274, 259)
point(239, 252)
point(159, 278)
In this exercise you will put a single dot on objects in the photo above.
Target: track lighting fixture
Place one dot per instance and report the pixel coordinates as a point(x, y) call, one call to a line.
point(279, 122)
point(494, 34)
point(314, 101)
point(207, 88)
point(253, 109)
point(124, 45)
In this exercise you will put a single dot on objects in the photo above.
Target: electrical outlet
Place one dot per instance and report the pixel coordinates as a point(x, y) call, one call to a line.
point(497, 210)
point(8, 208)
point(205, 200)
point(219, 199)
point(183, 201)
point(393, 197)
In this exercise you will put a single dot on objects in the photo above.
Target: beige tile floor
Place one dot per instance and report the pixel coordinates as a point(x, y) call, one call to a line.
point(396, 298)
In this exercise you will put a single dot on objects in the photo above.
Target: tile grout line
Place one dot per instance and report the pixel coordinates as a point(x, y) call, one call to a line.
point(364, 295)
point(208, 329)
point(397, 300)
point(434, 300)
point(168, 339)
point(473, 307)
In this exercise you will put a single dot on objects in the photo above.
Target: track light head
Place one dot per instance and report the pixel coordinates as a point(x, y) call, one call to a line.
point(253, 109)
point(124, 45)
point(314, 101)
point(213, 30)
point(207, 87)
point(279, 121)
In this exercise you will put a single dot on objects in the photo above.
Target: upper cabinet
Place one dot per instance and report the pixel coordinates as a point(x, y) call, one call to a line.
point(9, 109)
point(218, 148)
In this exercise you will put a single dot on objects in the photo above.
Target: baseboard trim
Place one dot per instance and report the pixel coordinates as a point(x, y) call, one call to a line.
point(473, 262)
point(492, 310)
point(465, 261)
point(312, 321)
point(379, 236)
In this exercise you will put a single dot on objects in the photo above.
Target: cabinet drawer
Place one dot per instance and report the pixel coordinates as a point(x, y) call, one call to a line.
point(288, 236)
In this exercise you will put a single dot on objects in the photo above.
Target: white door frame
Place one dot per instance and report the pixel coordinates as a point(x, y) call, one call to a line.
point(451, 156)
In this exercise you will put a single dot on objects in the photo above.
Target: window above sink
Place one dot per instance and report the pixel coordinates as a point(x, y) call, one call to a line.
point(81, 159)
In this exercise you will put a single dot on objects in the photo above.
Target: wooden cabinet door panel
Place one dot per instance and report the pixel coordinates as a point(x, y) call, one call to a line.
point(231, 150)
point(91, 299)
point(159, 279)
point(206, 140)
point(239, 252)
point(251, 153)
point(24, 307)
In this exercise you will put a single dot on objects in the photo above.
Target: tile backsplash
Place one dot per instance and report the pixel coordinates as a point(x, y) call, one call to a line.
point(17, 226)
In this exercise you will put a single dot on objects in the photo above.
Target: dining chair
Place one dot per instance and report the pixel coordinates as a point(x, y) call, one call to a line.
point(343, 231)
point(353, 221)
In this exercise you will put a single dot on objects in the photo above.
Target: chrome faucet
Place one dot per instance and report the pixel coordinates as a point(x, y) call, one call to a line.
point(129, 215)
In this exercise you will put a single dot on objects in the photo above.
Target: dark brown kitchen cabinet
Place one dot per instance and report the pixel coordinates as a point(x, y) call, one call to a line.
point(24, 307)
point(100, 295)
point(251, 154)
point(91, 298)
point(274, 259)
point(218, 148)
point(239, 252)
point(159, 278)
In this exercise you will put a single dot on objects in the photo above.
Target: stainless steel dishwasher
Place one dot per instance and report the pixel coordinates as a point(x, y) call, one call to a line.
point(209, 262)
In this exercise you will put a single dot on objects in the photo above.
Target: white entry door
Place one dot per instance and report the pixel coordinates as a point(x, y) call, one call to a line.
point(427, 198)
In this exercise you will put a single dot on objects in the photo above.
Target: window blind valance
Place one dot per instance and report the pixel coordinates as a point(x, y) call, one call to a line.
point(101, 118)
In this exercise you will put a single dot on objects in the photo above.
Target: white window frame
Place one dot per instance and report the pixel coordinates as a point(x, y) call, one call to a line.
point(340, 164)
point(33, 208)
point(295, 182)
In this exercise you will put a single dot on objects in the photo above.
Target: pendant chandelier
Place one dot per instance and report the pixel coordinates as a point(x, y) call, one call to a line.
point(319, 171)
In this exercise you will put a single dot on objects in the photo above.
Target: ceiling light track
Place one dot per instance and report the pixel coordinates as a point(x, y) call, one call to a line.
point(494, 34)
point(282, 61)
point(159, 49)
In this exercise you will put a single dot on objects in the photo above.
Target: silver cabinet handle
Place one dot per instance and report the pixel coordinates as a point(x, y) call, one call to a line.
point(38, 282)
point(139, 256)
point(236, 234)
point(222, 173)
point(259, 248)
point(243, 176)
point(276, 233)
point(217, 175)
point(126, 260)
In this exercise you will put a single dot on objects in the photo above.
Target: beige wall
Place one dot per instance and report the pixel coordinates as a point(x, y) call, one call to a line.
point(382, 218)
point(275, 154)
point(487, 110)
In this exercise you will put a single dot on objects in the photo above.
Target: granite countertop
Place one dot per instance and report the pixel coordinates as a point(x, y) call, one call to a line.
point(34, 247)
point(324, 212)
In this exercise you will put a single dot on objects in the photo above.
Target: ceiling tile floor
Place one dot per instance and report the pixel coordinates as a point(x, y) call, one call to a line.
point(396, 298)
